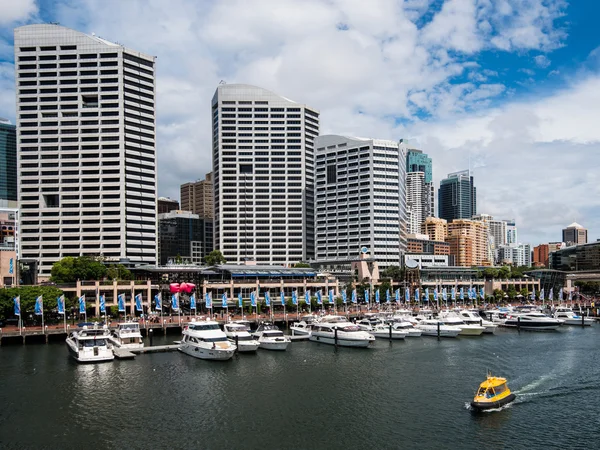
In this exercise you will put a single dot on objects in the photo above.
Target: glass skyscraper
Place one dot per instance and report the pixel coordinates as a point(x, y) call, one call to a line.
point(417, 161)
point(457, 196)
point(8, 161)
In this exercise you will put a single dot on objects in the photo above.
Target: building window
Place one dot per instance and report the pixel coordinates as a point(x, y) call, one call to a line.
point(331, 174)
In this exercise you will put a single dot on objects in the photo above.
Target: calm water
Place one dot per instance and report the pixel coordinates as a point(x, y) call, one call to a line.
point(411, 394)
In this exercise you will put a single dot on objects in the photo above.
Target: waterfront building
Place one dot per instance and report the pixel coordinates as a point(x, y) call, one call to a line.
point(8, 249)
point(574, 234)
point(166, 204)
point(577, 258)
point(419, 201)
point(511, 232)
point(457, 196)
point(197, 197)
point(8, 164)
point(263, 169)
point(515, 255)
point(420, 192)
point(541, 253)
point(420, 243)
point(468, 241)
point(435, 228)
point(183, 237)
point(360, 200)
point(425, 260)
point(86, 147)
point(496, 233)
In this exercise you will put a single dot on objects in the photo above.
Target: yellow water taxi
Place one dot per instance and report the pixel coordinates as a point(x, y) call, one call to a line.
point(492, 393)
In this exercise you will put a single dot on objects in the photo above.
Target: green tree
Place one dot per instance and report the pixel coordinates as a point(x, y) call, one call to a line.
point(302, 265)
point(28, 294)
point(71, 269)
point(490, 272)
point(498, 295)
point(511, 292)
point(393, 273)
point(118, 272)
point(504, 272)
point(525, 293)
point(213, 258)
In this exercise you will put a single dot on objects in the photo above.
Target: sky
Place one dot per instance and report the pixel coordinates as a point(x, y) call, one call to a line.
point(510, 88)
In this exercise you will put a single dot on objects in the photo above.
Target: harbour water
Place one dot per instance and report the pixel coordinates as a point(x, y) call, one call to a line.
point(411, 394)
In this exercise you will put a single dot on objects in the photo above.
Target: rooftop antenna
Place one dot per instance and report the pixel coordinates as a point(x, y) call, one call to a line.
point(222, 82)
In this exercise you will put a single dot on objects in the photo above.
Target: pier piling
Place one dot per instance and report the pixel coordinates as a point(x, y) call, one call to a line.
point(518, 323)
point(151, 334)
point(335, 334)
point(237, 343)
point(438, 331)
point(390, 332)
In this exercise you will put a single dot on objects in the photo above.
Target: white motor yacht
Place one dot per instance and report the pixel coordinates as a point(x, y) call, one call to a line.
point(388, 331)
point(348, 334)
point(410, 329)
point(271, 338)
point(206, 340)
point(303, 327)
point(569, 317)
point(451, 318)
point(239, 334)
point(533, 321)
point(471, 318)
point(429, 327)
point(90, 344)
point(128, 336)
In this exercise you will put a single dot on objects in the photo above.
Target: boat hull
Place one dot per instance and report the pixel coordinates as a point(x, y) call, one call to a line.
point(103, 355)
point(471, 331)
point(532, 326)
point(443, 333)
point(133, 346)
point(577, 322)
point(274, 345)
point(246, 347)
point(299, 331)
point(482, 406)
point(207, 353)
point(385, 334)
point(341, 342)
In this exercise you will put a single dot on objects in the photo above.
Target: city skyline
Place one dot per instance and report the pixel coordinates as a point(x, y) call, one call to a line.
point(513, 125)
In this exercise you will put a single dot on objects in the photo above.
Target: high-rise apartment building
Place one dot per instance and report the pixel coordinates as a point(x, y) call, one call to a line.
point(541, 253)
point(360, 199)
point(197, 197)
point(516, 255)
point(263, 169)
point(86, 147)
point(183, 237)
point(496, 233)
point(8, 164)
point(574, 234)
point(166, 204)
point(511, 232)
point(457, 196)
point(468, 242)
point(420, 192)
point(435, 228)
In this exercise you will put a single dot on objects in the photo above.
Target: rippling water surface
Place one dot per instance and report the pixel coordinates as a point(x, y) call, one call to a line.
point(411, 394)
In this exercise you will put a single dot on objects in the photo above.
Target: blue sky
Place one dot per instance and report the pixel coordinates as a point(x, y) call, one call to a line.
point(511, 85)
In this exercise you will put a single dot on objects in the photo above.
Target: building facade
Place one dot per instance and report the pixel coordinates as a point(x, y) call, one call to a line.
point(86, 147)
point(541, 253)
point(577, 257)
point(574, 234)
point(468, 241)
point(496, 233)
point(183, 237)
point(511, 232)
point(419, 201)
point(166, 204)
point(8, 164)
point(197, 197)
point(435, 228)
point(360, 199)
point(515, 255)
point(457, 196)
point(263, 169)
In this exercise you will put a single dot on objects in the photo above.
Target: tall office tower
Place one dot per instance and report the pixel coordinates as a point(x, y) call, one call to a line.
point(86, 147)
point(263, 169)
point(511, 232)
point(417, 161)
point(516, 255)
point(166, 204)
point(496, 233)
point(183, 237)
point(419, 201)
point(457, 197)
point(435, 228)
point(197, 197)
point(8, 164)
point(360, 199)
point(468, 242)
point(574, 234)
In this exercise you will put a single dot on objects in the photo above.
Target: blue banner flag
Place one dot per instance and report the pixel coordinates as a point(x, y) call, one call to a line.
point(462, 293)
point(444, 294)
point(193, 301)
point(294, 297)
point(533, 294)
point(158, 301)
point(388, 298)
point(17, 302)
point(252, 299)
point(570, 295)
point(426, 294)
point(435, 294)
point(551, 294)
point(82, 304)
point(138, 303)
point(208, 300)
point(407, 295)
point(307, 297)
point(366, 296)
point(121, 302)
point(175, 302)
point(282, 297)
point(397, 295)
point(224, 300)
point(354, 296)
point(240, 300)
point(60, 304)
point(102, 304)
point(453, 293)
point(482, 293)
point(267, 298)
point(319, 299)
point(377, 296)
point(331, 296)
point(11, 267)
point(560, 295)
point(344, 296)
point(39, 307)
point(542, 294)
point(417, 296)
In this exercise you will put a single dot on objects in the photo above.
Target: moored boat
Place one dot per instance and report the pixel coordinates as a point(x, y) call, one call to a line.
point(238, 334)
point(492, 393)
point(271, 338)
point(389, 332)
point(431, 327)
point(87, 345)
point(569, 317)
point(128, 336)
point(336, 330)
point(533, 321)
point(205, 340)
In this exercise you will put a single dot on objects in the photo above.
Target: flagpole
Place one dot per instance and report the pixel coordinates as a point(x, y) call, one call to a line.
point(42, 305)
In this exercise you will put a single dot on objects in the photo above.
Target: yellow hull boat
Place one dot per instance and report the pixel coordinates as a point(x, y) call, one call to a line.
point(492, 393)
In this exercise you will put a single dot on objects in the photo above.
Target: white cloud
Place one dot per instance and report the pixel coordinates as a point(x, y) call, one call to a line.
point(16, 10)
point(542, 61)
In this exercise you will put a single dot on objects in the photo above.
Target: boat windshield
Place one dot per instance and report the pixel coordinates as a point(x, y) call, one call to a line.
point(351, 328)
point(129, 327)
point(273, 333)
point(244, 338)
point(93, 343)
point(205, 327)
point(215, 339)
